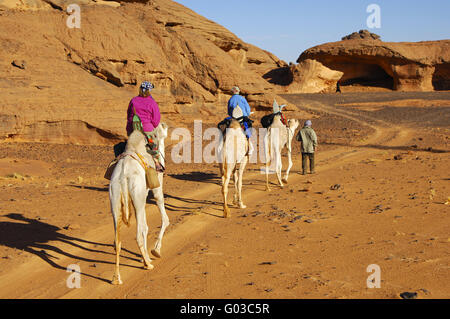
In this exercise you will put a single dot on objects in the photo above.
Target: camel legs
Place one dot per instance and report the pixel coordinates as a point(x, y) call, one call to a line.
point(117, 210)
point(278, 171)
point(226, 180)
point(285, 179)
point(159, 196)
point(236, 187)
point(267, 179)
point(141, 225)
point(278, 168)
point(117, 245)
point(268, 161)
point(239, 188)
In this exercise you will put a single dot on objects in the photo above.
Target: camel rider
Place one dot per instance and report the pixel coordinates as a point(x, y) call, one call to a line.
point(239, 100)
point(143, 114)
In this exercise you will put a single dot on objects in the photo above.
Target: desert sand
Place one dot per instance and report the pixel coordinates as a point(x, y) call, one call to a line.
point(380, 195)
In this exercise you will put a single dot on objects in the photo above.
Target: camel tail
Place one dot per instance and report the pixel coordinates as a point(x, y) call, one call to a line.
point(127, 203)
point(119, 198)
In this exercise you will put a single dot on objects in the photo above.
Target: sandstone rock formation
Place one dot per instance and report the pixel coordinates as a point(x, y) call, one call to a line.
point(403, 66)
point(81, 79)
point(309, 76)
point(24, 4)
point(362, 34)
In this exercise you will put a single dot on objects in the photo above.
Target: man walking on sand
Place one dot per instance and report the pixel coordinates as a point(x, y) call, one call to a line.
point(309, 145)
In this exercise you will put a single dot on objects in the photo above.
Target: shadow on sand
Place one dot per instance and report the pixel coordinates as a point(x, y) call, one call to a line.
point(212, 178)
point(36, 237)
point(92, 188)
point(170, 207)
point(199, 203)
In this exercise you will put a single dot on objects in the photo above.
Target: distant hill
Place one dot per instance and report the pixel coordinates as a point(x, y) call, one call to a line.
point(57, 82)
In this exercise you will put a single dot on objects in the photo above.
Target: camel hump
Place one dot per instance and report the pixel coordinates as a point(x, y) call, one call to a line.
point(235, 124)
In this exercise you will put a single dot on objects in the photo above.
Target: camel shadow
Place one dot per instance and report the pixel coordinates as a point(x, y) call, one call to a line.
point(92, 188)
point(212, 178)
point(34, 236)
point(170, 207)
point(200, 203)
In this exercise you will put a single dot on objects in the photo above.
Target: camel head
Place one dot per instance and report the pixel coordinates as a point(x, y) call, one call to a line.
point(162, 131)
point(293, 124)
point(136, 142)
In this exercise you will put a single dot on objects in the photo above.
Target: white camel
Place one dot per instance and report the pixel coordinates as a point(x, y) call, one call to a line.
point(279, 136)
point(233, 153)
point(128, 190)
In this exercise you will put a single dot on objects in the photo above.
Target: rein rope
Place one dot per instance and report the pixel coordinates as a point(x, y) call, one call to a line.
point(284, 121)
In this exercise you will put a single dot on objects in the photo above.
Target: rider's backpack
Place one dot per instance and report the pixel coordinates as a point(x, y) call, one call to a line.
point(267, 120)
point(247, 120)
point(119, 148)
point(137, 123)
point(223, 125)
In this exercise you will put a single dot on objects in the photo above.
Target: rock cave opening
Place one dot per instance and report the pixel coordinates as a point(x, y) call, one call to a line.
point(364, 74)
point(441, 77)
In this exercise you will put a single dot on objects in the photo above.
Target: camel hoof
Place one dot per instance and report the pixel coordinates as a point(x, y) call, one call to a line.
point(149, 267)
point(116, 281)
point(156, 253)
point(268, 189)
point(242, 206)
point(285, 180)
point(226, 212)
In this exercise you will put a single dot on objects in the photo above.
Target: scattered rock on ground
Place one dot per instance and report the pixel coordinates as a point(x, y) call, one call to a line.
point(425, 291)
point(377, 210)
point(268, 263)
point(72, 226)
point(295, 218)
point(21, 64)
point(408, 295)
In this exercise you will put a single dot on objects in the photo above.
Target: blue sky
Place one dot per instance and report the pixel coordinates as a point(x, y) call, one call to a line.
point(288, 27)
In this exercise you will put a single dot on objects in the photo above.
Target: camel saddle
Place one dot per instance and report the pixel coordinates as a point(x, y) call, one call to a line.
point(151, 176)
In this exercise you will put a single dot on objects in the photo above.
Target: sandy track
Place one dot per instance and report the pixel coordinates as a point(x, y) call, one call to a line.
point(36, 279)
